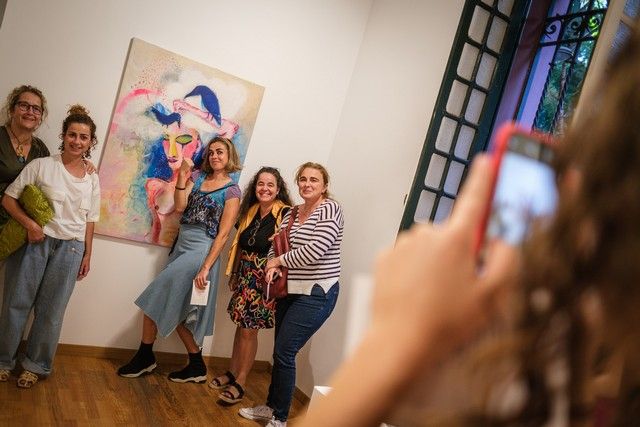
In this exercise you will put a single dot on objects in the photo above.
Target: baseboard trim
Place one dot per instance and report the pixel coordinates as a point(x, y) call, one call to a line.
point(164, 357)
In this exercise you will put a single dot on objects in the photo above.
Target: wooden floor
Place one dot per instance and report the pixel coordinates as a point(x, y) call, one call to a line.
point(85, 391)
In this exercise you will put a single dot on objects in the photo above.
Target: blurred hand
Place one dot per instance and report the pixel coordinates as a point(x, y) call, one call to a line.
point(201, 278)
point(186, 166)
point(85, 266)
point(35, 234)
point(233, 282)
point(431, 280)
point(272, 273)
point(273, 263)
point(90, 167)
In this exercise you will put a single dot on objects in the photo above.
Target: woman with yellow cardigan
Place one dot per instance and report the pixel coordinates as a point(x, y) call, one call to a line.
point(265, 202)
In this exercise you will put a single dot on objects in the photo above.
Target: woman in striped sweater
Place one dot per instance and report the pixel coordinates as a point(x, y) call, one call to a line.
point(314, 269)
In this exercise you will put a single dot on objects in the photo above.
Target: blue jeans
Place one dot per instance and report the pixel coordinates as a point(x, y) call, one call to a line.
point(39, 276)
point(298, 317)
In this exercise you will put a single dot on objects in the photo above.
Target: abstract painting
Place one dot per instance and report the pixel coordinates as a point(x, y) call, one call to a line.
point(167, 109)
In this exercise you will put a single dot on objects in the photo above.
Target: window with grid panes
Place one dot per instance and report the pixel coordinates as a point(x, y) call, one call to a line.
point(478, 90)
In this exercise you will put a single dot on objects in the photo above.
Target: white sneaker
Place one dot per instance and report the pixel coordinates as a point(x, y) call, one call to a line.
point(276, 423)
point(257, 413)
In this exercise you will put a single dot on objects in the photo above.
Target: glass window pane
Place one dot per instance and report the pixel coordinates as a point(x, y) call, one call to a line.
point(478, 25)
point(425, 206)
point(496, 35)
point(454, 176)
point(445, 135)
point(485, 72)
point(474, 108)
point(434, 171)
point(505, 6)
point(467, 61)
point(445, 205)
point(456, 98)
point(463, 144)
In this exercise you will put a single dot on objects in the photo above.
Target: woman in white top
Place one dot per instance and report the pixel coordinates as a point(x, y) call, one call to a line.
point(314, 270)
point(43, 272)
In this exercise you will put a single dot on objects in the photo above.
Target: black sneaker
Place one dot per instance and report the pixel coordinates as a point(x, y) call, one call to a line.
point(138, 365)
point(194, 372)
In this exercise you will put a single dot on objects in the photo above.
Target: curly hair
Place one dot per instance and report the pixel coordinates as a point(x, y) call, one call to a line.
point(249, 199)
point(78, 114)
point(590, 248)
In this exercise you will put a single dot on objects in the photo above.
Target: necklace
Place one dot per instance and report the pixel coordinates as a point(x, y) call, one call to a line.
point(19, 148)
point(252, 237)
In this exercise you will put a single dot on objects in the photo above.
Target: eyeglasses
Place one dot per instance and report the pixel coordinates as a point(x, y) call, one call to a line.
point(25, 107)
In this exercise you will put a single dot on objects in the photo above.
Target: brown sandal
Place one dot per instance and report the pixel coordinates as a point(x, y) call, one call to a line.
point(219, 382)
point(228, 396)
point(27, 379)
point(4, 375)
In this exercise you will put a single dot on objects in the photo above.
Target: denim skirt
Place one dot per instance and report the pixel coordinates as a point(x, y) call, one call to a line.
point(167, 300)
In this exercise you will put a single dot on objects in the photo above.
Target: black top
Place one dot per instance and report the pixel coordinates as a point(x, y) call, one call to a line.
point(255, 238)
point(10, 167)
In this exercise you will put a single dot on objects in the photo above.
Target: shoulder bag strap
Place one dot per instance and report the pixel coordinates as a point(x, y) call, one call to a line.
point(292, 218)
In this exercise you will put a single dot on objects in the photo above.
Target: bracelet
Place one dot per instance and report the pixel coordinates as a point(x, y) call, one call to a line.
point(181, 188)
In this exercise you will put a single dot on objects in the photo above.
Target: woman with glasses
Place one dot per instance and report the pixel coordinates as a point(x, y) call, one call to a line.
point(266, 200)
point(23, 112)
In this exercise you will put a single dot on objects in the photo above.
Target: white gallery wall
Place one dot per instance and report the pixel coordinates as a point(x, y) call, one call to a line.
point(349, 83)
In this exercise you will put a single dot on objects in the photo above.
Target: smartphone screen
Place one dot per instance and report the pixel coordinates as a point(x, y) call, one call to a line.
point(525, 192)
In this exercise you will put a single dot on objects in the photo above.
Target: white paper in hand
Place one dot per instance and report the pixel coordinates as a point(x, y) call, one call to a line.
point(199, 296)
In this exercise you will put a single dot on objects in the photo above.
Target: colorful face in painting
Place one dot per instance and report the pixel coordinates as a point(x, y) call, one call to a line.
point(180, 142)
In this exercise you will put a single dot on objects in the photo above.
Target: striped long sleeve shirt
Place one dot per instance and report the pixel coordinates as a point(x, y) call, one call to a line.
point(314, 257)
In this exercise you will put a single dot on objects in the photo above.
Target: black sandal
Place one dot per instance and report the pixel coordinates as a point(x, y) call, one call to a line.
point(217, 381)
point(227, 395)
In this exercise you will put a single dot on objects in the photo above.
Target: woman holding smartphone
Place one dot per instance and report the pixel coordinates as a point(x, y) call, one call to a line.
point(573, 292)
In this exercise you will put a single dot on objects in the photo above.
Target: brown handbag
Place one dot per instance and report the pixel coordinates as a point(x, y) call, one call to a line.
point(278, 286)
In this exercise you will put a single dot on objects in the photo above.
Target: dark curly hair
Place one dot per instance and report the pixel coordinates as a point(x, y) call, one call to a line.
point(249, 198)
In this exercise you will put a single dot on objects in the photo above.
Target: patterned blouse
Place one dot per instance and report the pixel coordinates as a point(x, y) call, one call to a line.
point(205, 207)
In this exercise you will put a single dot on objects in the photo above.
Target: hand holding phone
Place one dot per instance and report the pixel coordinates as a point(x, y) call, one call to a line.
point(524, 188)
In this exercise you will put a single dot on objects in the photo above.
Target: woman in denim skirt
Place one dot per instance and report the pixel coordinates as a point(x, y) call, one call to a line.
point(209, 213)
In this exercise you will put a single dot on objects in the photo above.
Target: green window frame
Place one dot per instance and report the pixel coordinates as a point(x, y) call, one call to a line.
point(463, 117)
